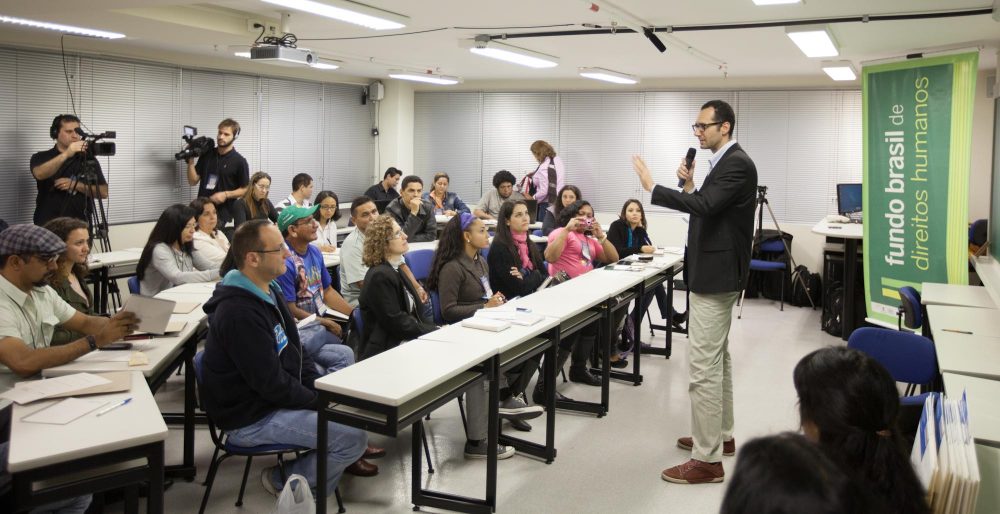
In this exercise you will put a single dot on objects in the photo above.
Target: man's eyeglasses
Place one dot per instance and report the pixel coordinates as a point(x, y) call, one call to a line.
point(276, 250)
point(700, 127)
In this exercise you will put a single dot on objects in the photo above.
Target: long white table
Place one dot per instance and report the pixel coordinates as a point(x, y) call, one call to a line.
point(979, 321)
point(956, 295)
point(101, 266)
point(90, 454)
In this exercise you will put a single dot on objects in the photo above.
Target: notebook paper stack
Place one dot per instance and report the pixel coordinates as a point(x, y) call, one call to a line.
point(944, 456)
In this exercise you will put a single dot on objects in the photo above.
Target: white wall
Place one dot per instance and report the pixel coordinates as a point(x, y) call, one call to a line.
point(981, 172)
point(395, 125)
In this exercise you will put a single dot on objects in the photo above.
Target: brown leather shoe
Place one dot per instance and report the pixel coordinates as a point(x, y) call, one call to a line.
point(694, 472)
point(362, 468)
point(373, 452)
point(728, 447)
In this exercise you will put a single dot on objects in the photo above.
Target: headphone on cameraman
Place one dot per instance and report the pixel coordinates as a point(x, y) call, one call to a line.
point(57, 124)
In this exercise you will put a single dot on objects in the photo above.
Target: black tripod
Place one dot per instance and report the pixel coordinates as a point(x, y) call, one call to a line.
point(761, 204)
point(97, 228)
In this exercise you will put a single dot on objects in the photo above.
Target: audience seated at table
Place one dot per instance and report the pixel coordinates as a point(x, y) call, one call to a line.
point(327, 214)
point(444, 202)
point(628, 234)
point(254, 204)
point(567, 195)
point(391, 309)
point(167, 259)
point(461, 277)
point(30, 311)
point(849, 405)
point(258, 382)
point(503, 190)
point(573, 247)
point(210, 244)
point(352, 266)
point(412, 213)
point(70, 278)
point(307, 289)
point(786, 474)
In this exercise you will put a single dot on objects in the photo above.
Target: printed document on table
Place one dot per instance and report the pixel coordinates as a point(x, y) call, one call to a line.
point(27, 392)
point(65, 411)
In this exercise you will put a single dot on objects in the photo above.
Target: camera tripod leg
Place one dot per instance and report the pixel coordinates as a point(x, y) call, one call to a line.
point(788, 252)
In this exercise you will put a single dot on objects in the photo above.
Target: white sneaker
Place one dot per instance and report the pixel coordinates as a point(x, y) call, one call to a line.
point(265, 480)
point(516, 408)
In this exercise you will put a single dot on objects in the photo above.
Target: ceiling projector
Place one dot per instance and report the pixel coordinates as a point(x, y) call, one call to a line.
point(279, 54)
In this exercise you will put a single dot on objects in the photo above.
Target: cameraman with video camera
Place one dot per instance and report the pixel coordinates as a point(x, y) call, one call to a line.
point(62, 189)
point(223, 174)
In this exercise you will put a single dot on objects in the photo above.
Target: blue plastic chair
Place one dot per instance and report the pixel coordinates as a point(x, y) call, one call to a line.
point(419, 262)
point(228, 449)
point(485, 252)
point(537, 232)
point(436, 307)
point(911, 312)
point(910, 358)
point(766, 266)
point(133, 285)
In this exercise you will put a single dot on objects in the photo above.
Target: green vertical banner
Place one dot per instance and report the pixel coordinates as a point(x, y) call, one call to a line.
point(917, 151)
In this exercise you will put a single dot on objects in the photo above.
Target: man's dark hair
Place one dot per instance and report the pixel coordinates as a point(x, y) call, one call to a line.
point(409, 179)
point(503, 176)
point(245, 240)
point(391, 172)
point(301, 180)
point(357, 202)
point(723, 114)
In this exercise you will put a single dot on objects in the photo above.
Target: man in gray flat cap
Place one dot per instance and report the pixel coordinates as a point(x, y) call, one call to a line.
point(30, 309)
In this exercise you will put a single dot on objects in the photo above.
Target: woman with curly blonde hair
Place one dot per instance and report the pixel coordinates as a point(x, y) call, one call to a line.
point(390, 306)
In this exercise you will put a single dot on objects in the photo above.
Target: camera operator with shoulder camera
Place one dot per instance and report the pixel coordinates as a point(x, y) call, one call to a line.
point(62, 188)
point(223, 174)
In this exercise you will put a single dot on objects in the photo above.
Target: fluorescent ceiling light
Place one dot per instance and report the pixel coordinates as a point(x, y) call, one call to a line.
point(776, 2)
point(607, 76)
point(69, 29)
point(350, 12)
point(840, 70)
point(430, 78)
point(813, 40)
point(324, 64)
point(514, 54)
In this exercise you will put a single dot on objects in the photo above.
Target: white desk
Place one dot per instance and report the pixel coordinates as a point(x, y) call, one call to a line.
point(960, 296)
point(343, 231)
point(126, 257)
point(851, 233)
point(331, 259)
point(964, 354)
point(424, 245)
point(100, 266)
point(983, 395)
point(499, 342)
point(89, 451)
point(979, 321)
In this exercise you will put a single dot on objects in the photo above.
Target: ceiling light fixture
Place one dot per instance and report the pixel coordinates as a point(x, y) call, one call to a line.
point(813, 40)
point(776, 2)
point(513, 54)
point(69, 29)
point(608, 76)
point(429, 78)
point(350, 12)
point(324, 64)
point(840, 70)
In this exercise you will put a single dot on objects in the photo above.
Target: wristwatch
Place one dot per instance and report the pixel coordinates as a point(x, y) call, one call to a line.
point(92, 341)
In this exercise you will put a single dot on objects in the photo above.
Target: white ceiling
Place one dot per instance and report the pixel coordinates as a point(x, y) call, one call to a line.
point(198, 34)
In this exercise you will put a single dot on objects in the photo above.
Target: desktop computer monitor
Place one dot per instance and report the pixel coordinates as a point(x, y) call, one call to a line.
point(848, 198)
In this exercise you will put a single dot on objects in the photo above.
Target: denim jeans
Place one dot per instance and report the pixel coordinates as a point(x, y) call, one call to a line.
point(298, 427)
point(325, 348)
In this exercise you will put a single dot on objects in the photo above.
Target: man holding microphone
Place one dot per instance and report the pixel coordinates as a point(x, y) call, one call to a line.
point(718, 262)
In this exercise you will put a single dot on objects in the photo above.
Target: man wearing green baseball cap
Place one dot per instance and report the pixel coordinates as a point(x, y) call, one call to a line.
point(307, 288)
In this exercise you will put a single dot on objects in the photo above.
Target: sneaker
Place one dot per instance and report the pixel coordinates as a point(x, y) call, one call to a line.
point(728, 447)
point(267, 482)
point(516, 408)
point(477, 450)
point(694, 472)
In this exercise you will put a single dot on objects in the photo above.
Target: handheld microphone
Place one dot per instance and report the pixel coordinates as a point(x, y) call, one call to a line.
point(688, 161)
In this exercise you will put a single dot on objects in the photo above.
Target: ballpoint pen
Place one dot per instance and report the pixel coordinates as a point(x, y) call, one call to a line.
point(113, 407)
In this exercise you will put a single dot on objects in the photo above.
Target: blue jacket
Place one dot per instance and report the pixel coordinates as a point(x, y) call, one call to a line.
point(253, 363)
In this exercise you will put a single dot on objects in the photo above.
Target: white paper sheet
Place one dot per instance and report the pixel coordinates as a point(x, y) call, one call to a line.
point(27, 392)
point(65, 411)
point(153, 313)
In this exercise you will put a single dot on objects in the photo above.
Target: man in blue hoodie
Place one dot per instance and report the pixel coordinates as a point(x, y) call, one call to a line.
point(258, 383)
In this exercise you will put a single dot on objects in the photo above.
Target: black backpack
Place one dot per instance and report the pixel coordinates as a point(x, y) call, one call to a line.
point(833, 307)
point(814, 286)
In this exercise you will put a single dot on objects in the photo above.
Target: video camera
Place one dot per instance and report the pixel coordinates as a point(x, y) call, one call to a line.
point(196, 146)
point(95, 149)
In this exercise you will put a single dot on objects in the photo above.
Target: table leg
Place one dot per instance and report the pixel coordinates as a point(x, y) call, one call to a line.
point(154, 497)
point(493, 432)
point(850, 270)
point(322, 441)
point(551, 356)
point(607, 333)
